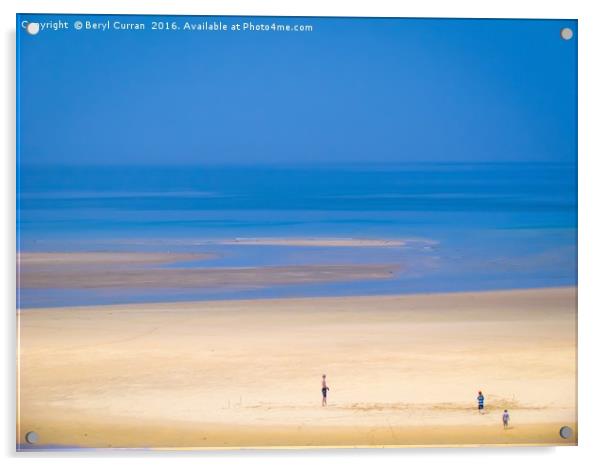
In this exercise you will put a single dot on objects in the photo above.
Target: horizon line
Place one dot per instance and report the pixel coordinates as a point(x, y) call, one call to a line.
point(291, 164)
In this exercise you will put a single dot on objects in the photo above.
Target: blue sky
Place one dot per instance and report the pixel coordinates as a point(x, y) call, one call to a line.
point(353, 90)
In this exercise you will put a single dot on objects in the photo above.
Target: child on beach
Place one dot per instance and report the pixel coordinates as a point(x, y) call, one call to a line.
point(324, 390)
point(481, 401)
point(505, 418)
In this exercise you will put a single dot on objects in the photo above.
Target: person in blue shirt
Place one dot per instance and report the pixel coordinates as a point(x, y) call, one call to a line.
point(505, 418)
point(481, 401)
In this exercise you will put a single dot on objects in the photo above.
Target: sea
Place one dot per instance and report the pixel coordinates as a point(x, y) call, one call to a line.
point(465, 226)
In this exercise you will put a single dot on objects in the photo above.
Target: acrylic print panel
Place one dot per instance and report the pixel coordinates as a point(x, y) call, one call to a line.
point(295, 232)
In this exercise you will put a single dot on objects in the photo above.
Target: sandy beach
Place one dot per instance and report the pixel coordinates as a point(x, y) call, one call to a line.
point(145, 270)
point(105, 259)
point(403, 370)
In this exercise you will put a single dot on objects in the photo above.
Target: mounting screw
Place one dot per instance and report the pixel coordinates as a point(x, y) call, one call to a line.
point(566, 33)
point(31, 437)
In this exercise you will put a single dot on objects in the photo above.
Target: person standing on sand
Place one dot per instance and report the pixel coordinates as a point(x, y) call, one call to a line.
point(324, 390)
point(505, 418)
point(481, 401)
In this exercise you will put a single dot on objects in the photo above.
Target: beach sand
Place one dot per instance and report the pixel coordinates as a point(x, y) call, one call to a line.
point(142, 270)
point(403, 370)
point(57, 260)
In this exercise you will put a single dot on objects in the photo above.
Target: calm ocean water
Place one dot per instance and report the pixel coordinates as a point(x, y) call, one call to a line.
point(473, 226)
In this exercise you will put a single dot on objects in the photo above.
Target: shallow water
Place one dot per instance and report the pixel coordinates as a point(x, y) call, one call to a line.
point(471, 226)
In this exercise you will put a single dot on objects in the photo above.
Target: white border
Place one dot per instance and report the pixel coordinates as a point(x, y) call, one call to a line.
point(590, 234)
